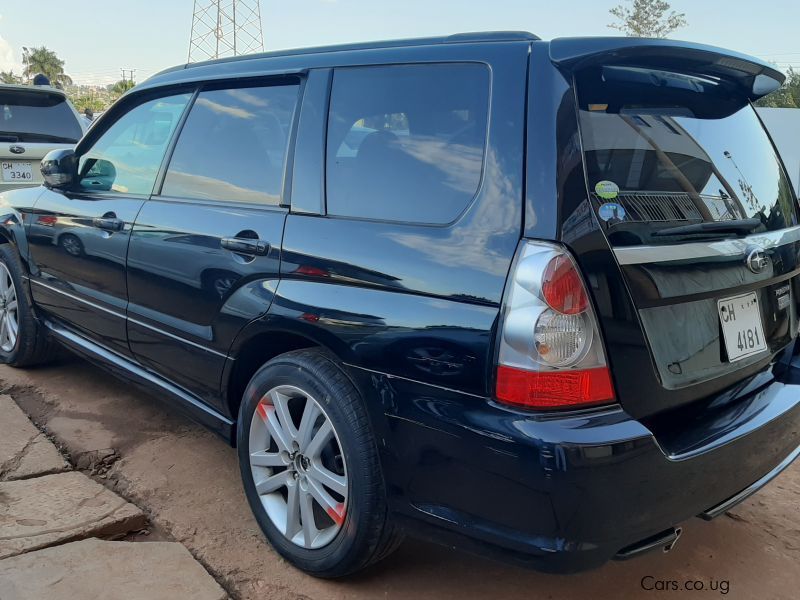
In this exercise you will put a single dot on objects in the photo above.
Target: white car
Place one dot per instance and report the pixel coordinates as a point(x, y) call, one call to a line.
point(33, 121)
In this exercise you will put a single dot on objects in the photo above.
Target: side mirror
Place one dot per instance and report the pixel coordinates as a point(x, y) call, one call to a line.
point(59, 168)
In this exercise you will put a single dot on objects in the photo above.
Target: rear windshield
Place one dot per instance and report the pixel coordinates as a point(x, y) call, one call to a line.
point(35, 116)
point(672, 157)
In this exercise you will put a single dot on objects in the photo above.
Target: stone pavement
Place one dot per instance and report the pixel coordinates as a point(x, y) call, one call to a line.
point(108, 570)
point(24, 450)
point(45, 507)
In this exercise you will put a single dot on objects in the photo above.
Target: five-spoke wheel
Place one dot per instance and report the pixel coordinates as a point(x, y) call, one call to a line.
point(9, 319)
point(310, 465)
point(298, 467)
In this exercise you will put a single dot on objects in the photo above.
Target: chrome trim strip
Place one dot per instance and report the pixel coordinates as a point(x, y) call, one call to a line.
point(130, 320)
point(175, 337)
point(636, 255)
point(77, 298)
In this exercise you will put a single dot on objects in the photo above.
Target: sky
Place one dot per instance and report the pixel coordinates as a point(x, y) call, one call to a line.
point(98, 39)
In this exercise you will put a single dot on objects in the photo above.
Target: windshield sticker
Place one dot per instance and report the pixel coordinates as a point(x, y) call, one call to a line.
point(611, 211)
point(607, 190)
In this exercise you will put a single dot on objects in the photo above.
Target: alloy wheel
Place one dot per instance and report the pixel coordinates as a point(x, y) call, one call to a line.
point(298, 467)
point(9, 318)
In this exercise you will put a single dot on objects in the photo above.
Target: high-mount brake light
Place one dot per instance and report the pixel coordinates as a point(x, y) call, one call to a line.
point(551, 353)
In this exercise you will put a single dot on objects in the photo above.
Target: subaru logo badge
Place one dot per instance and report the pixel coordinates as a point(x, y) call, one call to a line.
point(757, 259)
point(16, 149)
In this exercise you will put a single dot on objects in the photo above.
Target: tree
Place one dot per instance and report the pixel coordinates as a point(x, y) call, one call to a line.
point(647, 18)
point(9, 77)
point(44, 61)
point(122, 86)
point(788, 96)
point(81, 103)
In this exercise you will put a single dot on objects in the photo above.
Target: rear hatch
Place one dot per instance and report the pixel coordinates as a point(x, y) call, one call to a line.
point(33, 121)
point(701, 219)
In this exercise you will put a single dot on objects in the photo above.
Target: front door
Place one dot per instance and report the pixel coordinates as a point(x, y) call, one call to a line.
point(79, 237)
point(205, 250)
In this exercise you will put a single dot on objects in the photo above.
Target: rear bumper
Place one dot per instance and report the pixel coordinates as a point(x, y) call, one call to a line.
point(568, 494)
point(7, 187)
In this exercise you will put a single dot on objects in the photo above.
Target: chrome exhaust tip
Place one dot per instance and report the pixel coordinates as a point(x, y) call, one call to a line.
point(665, 540)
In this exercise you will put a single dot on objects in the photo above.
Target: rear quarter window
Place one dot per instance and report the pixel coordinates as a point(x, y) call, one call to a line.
point(406, 142)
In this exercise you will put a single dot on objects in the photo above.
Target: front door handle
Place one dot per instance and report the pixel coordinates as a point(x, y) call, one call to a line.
point(108, 223)
point(245, 246)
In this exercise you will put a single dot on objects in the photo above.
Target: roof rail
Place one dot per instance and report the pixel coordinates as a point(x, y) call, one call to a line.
point(492, 36)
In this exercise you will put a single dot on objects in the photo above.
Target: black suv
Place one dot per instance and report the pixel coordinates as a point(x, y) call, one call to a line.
point(533, 299)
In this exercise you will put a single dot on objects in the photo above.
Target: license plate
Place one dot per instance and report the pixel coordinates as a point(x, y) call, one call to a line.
point(17, 171)
point(742, 329)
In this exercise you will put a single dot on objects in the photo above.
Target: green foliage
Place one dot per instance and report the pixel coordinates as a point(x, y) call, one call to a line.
point(44, 61)
point(646, 18)
point(81, 103)
point(788, 96)
point(121, 87)
point(9, 77)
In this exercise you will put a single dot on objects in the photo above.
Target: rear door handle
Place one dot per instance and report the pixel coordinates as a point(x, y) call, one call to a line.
point(245, 246)
point(108, 223)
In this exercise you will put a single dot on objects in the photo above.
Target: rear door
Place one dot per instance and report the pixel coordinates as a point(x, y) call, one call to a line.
point(79, 237)
point(33, 121)
point(702, 221)
point(205, 250)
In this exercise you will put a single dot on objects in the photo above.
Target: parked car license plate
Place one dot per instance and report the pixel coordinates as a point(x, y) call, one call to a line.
point(17, 171)
point(742, 328)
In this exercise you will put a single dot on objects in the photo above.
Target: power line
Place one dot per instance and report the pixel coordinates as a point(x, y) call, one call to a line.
point(225, 28)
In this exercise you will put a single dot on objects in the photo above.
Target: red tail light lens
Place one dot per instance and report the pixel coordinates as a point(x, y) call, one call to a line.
point(547, 390)
point(550, 351)
point(46, 220)
point(562, 287)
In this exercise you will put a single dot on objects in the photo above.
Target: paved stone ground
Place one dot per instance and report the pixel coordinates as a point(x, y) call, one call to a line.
point(45, 507)
point(43, 511)
point(135, 571)
point(24, 450)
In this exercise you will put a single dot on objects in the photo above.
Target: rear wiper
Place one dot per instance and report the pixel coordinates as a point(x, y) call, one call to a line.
point(741, 226)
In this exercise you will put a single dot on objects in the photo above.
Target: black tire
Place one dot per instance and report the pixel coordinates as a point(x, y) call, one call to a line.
point(33, 347)
point(367, 533)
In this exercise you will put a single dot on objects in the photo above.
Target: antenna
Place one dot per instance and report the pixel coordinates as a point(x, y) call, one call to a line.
point(225, 28)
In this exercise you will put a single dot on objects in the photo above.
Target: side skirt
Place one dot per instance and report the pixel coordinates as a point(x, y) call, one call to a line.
point(149, 382)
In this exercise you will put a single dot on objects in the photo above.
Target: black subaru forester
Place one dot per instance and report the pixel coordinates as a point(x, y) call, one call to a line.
point(537, 300)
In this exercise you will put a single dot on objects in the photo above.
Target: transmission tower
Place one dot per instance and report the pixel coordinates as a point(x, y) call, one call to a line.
point(225, 28)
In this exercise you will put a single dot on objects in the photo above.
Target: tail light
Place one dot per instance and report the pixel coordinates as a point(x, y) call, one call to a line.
point(46, 220)
point(551, 354)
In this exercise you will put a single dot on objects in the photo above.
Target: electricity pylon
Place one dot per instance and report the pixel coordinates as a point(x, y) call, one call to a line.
point(225, 28)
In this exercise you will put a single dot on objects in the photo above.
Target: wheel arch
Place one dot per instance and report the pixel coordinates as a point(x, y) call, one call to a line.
point(262, 341)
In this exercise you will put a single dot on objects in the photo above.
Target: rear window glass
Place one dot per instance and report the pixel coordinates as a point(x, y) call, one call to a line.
point(406, 142)
point(664, 151)
point(35, 116)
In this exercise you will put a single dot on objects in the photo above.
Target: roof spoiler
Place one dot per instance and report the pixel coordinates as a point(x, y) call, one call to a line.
point(755, 77)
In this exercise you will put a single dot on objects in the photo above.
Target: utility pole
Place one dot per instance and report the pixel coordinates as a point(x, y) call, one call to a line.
point(125, 77)
point(225, 28)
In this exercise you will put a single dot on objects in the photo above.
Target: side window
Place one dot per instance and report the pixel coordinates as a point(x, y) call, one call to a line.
point(233, 146)
point(127, 156)
point(406, 142)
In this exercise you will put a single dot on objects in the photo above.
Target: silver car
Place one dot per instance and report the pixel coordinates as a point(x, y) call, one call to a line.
point(33, 121)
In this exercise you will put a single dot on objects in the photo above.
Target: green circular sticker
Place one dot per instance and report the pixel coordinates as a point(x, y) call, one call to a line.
point(607, 190)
